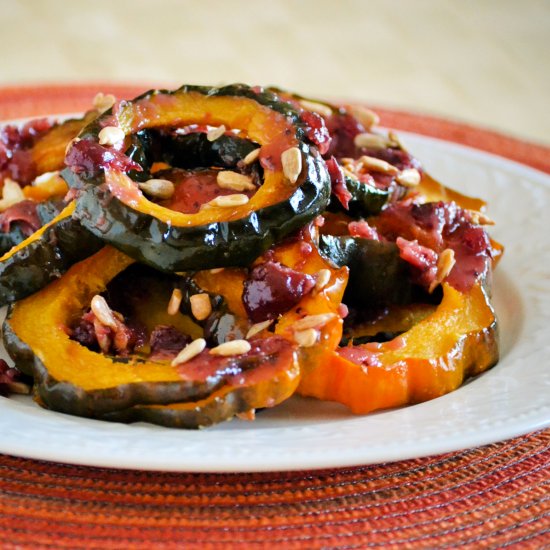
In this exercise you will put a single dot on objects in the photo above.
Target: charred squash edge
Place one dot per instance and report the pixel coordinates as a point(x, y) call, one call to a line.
point(44, 256)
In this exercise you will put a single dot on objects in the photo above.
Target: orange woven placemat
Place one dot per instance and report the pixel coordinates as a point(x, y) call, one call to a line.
point(493, 496)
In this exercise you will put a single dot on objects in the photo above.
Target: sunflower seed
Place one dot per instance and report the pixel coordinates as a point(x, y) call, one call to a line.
point(410, 177)
point(373, 141)
point(445, 264)
point(111, 135)
point(215, 133)
point(365, 116)
point(291, 160)
point(377, 165)
point(234, 347)
point(201, 307)
point(306, 338)
point(157, 188)
point(252, 156)
point(315, 107)
point(189, 351)
point(313, 321)
point(323, 278)
point(226, 179)
point(257, 328)
point(227, 201)
point(103, 312)
point(103, 102)
point(175, 302)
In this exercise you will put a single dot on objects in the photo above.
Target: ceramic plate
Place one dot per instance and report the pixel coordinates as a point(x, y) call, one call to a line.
point(511, 399)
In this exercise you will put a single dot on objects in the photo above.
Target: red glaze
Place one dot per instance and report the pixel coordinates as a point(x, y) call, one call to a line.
point(23, 213)
point(8, 376)
point(87, 156)
point(338, 182)
point(266, 356)
point(193, 189)
point(363, 229)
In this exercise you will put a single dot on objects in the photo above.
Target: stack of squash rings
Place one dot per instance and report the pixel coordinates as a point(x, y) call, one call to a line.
point(222, 249)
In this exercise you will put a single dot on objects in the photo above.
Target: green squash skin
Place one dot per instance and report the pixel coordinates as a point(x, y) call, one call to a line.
point(46, 212)
point(378, 276)
point(42, 260)
point(366, 200)
point(219, 408)
point(218, 244)
point(213, 412)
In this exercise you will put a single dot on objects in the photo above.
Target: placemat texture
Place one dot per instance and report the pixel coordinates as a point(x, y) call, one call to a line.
point(495, 496)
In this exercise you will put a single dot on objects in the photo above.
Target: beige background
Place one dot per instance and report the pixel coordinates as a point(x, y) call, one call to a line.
point(485, 62)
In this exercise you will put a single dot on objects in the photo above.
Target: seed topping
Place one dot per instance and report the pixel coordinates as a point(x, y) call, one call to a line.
point(377, 165)
point(252, 156)
point(100, 308)
point(323, 278)
point(103, 102)
point(189, 351)
point(226, 179)
point(227, 201)
point(313, 321)
point(175, 302)
point(257, 328)
point(11, 194)
point(372, 141)
point(410, 177)
point(479, 218)
point(201, 307)
point(291, 160)
point(445, 264)
point(111, 135)
point(234, 347)
point(365, 116)
point(215, 133)
point(315, 107)
point(306, 338)
point(157, 188)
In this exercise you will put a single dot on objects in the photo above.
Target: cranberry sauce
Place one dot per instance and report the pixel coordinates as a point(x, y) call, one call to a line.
point(89, 158)
point(437, 226)
point(16, 160)
point(272, 289)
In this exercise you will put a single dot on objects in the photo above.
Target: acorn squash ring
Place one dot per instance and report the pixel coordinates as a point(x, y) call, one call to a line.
point(112, 207)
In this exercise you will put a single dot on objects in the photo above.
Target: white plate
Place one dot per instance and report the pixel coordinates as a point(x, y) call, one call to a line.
point(511, 399)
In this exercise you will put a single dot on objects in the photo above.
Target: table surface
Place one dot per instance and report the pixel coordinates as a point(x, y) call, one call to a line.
point(478, 62)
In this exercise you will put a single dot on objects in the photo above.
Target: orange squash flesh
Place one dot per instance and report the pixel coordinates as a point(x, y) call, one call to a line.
point(262, 125)
point(433, 358)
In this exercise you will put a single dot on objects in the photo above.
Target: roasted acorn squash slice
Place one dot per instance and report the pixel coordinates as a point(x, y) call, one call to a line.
point(270, 382)
point(112, 206)
point(458, 340)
